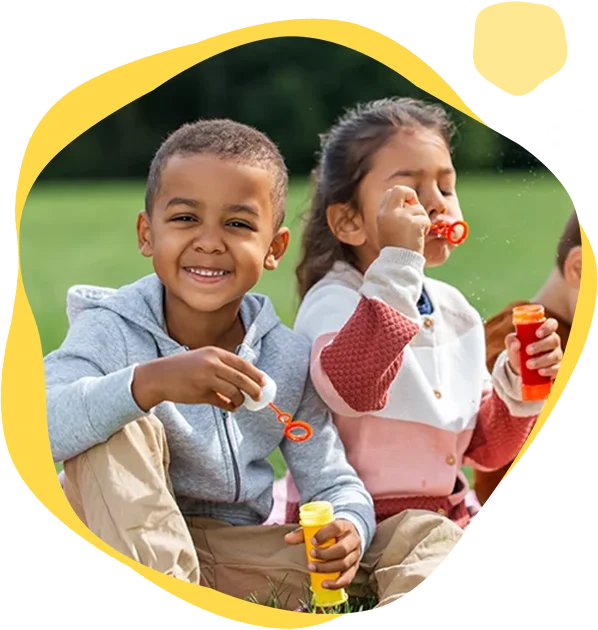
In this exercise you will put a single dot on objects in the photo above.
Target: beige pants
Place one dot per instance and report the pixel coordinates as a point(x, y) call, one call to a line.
point(121, 490)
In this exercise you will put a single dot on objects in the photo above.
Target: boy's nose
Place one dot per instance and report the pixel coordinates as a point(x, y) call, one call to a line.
point(208, 242)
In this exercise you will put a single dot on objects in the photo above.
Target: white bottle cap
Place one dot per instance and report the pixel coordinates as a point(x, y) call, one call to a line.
point(268, 396)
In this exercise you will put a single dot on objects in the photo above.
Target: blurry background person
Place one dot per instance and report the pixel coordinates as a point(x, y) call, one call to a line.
point(558, 295)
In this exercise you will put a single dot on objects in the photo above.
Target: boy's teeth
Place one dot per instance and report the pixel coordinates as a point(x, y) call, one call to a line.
point(207, 272)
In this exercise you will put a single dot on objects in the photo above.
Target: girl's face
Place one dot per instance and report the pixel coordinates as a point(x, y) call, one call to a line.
point(418, 158)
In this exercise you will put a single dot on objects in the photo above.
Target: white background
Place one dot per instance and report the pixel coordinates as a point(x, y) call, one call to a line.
point(239, 12)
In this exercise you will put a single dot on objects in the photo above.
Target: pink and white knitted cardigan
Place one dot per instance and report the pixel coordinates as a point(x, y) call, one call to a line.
point(410, 394)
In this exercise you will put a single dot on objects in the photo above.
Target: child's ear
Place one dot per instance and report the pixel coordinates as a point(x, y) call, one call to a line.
point(346, 224)
point(572, 267)
point(278, 247)
point(144, 234)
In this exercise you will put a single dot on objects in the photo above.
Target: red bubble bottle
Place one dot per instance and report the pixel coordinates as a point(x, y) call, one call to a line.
point(527, 319)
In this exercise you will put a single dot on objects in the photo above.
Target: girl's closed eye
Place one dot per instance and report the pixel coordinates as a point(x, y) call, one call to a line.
point(446, 186)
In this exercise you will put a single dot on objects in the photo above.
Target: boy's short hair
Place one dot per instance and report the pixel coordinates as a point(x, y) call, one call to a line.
point(228, 140)
point(570, 238)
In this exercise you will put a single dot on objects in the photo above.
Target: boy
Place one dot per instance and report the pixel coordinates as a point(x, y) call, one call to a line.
point(145, 395)
point(559, 298)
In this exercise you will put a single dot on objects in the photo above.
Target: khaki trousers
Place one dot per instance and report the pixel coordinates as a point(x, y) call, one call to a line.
point(121, 490)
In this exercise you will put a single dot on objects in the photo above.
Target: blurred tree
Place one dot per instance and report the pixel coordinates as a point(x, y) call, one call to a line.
point(292, 88)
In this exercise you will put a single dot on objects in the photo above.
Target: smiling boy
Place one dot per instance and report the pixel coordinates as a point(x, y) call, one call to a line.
point(144, 397)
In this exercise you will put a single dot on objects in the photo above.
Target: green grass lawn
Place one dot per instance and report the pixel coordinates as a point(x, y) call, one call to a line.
point(84, 233)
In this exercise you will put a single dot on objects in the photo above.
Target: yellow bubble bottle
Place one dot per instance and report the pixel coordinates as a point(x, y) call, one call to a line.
point(312, 517)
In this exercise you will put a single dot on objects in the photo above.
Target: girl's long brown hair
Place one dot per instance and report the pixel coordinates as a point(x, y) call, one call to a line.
point(345, 159)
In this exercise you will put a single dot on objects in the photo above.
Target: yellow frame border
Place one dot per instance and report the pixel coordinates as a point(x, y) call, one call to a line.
point(54, 579)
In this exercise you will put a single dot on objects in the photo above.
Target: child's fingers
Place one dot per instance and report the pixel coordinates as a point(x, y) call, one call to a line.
point(230, 391)
point(240, 381)
point(545, 360)
point(409, 196)
point(217, 400)
point(398, 197)
point(552, 342)
point(332, 530)
point(344, 580)
point(550, 372)
point(547, 328)
point(337, 529)
point(239, 364)
point(342, 548)
point(424, 219)
point(335, 566)
point(295, 537)
point(512, 343)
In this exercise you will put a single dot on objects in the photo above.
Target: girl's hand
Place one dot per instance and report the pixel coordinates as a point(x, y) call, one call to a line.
point(402, 220)
point(343, 556)
point(546, 353)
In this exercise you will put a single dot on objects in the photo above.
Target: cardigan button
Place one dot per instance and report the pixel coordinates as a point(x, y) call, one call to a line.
point(450, 460)
point(437, 394)
point(428, 323)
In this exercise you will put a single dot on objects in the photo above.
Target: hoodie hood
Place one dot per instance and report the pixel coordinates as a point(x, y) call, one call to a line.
point(142, 304)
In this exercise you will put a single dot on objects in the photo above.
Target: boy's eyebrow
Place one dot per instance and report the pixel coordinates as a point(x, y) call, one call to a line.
point(193, 203)
point(242, 208)
point(410, 173)
point(182, 201)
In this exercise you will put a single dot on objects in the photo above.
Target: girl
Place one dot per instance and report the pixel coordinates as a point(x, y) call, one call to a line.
point(398, 357)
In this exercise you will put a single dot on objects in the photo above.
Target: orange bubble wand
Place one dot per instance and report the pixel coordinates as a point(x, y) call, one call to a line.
point(294, 430)
point(292, 425)
point(455, 233)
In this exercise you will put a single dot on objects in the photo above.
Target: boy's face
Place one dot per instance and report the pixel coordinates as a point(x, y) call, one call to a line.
point(211, 231)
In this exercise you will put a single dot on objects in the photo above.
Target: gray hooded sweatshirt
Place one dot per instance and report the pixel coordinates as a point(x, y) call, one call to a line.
point(218, 459)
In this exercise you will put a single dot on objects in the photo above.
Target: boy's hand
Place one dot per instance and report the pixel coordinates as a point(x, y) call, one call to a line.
point(548, 347)
point(343, 556)
point(210, 376)
point(402, 220)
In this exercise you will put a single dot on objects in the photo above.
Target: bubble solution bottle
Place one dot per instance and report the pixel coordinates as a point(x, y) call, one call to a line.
point(312, 517)
point(527, 319)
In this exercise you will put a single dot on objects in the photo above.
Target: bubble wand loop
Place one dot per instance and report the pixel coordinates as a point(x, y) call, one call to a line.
point(450, 231)
point(292, 425)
